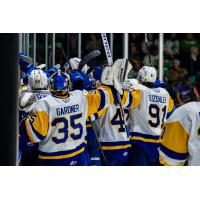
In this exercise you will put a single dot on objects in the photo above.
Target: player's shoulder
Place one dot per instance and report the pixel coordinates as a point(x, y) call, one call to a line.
point(189, 109)
point(140, 87)
point(78, 94)
point(161, 91)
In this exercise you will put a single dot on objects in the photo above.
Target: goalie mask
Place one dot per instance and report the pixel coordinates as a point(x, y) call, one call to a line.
point(147, 75)
point(115, 75)
point(38, 80)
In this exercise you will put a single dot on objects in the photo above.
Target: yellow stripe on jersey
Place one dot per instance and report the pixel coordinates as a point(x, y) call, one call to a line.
point(41, 122)
point(144, 139)
point(171, 104)
point(109, 91)
point(175, 137)
point(101, 112)
point(136, 98)
point(165, 163)
point(93, 100)
point(28, 131)
point(63, 156)
point(116, 147)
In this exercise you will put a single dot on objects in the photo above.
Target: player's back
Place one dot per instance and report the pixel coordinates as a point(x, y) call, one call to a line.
point(149, 115)
point(114, 138)
point(145, 123)
point(181, 136)
point(112, 124)
point(62, 131)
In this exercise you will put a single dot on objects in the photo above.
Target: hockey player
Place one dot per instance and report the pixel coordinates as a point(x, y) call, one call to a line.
point(180, 140)
point(57, 122)
point(80, 81)
point(36, 89)
point(114, 137)
point(147, 118)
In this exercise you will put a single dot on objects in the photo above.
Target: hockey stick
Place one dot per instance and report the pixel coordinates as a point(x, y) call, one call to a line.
point(146, 42)
point(107, 49)
point(88, 58)
point(110, 62)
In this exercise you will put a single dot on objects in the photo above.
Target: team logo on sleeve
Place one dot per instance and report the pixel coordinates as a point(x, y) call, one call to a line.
point(32, 117)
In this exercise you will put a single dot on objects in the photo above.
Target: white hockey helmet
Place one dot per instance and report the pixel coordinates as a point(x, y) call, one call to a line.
point(37, 79)
point(147, 74)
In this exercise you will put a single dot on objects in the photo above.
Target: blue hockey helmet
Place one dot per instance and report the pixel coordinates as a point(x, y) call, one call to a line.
point(59, 81)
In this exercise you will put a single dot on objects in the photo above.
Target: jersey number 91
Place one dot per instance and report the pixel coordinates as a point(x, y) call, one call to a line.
point(155, 113)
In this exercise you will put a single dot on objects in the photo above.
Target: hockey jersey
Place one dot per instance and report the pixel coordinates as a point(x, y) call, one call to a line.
point(112, 124)
point(58, 125)
point(180, 139)
point(147, 118)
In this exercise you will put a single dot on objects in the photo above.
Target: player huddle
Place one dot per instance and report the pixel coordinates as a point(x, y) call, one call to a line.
point(98, 116)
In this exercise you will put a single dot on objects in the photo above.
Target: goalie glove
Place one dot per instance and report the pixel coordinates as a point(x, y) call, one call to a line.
point(110, 77)
point(107, 77)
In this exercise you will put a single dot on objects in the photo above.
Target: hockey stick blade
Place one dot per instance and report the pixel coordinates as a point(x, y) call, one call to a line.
point(88, 58)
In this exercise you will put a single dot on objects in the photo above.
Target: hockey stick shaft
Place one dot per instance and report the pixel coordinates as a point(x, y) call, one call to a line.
point(107, 49)
point(110, 62)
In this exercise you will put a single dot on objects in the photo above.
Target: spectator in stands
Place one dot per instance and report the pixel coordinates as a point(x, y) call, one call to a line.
point(184, 91)
point(172, 46)
point(152, 41)
point(153, 53)
point(192, 62)
point(187, 43)
point(177, 72)
point(134, 51)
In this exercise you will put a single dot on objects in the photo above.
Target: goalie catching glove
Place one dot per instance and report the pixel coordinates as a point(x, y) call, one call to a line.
point(113, 76)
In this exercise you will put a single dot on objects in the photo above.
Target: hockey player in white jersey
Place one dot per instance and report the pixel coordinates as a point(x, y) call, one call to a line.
point(180, 140)
point(36, 89)
point(58, 122)
point(114, 136)
point(147, 118)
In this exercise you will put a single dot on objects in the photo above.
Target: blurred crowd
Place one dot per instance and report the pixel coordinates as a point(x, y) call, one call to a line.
point(181, 56)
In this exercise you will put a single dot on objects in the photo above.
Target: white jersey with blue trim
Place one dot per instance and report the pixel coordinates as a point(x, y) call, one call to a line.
point(180, 144)
point(150, 114)
point(113, 131)
point(58, 124)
